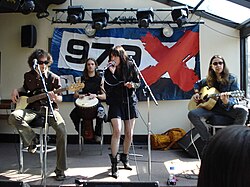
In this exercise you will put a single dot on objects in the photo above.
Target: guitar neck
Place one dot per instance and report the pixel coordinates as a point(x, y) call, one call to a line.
point(44, 95)
point(232, 93)
point(214, 95)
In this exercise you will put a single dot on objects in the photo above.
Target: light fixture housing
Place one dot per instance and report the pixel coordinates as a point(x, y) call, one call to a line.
point(100, 18)
point(144, 17)
point(180, 16)
point(75, 14)
point(89, 31)
point(167, 31)
point(28, 6)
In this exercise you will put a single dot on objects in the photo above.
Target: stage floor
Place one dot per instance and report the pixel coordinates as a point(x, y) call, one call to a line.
point(93, 166)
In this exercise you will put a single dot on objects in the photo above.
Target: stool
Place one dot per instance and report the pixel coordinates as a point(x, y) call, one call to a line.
point(41, 123)
point(88, 133)
point(219, 122)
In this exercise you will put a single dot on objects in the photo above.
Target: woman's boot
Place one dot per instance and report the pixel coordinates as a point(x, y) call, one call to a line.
point(114, 162)
point(124, 160)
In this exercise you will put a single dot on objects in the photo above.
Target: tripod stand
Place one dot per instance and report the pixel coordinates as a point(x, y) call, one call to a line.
point(147, 92)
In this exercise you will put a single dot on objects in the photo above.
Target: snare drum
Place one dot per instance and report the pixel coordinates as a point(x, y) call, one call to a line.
point(87, 107)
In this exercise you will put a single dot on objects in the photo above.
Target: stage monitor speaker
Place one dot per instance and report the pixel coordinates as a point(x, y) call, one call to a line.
point(8, 183)
point(28, 36)
point(116, 184)
point(192, 143)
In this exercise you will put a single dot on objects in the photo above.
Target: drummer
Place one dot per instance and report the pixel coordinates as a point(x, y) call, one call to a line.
point(94, 89)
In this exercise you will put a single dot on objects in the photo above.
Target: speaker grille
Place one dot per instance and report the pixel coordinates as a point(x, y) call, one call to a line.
point(28, 36)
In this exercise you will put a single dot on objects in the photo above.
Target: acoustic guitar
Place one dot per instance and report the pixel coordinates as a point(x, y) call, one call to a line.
point(209, 97)
point(23, 101)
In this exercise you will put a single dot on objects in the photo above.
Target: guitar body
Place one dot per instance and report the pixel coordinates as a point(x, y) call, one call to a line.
point(206, 101)
point(22, 103)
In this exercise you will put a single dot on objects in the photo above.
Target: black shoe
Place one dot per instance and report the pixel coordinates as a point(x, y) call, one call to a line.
point(60, 176)
point(32, 147)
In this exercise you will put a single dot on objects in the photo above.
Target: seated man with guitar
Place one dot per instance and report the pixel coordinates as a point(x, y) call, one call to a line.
point(33, 107)
point(216, 95)
point(88, 106)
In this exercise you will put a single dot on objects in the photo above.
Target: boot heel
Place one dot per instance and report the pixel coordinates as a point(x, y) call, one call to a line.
point(124, 160)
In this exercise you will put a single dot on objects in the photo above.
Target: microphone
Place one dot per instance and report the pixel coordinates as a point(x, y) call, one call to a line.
point(35, 63)
point(110, 64)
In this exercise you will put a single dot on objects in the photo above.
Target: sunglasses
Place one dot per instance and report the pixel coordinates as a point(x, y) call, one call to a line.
point(216, 63)
point(43, 62)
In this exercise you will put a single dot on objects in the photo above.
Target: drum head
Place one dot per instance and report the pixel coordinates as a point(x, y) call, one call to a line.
point(86, 102)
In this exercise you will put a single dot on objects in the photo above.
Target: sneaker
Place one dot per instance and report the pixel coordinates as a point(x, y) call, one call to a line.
point(98, 139)
point(60, 176)
point(32, 148)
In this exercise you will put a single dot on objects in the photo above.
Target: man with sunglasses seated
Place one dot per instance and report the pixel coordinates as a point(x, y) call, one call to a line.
point(21, 117)
point(226, 107)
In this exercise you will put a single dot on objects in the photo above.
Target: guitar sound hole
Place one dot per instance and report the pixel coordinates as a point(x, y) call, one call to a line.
point(205, 98)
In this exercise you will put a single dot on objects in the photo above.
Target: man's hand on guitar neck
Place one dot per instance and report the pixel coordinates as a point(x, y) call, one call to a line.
point(224, 96)
point(54, 97)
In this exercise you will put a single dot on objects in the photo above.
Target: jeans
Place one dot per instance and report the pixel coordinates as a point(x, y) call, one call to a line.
point(238, 113)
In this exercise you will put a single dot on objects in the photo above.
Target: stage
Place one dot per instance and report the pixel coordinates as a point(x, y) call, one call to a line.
point(92, 166)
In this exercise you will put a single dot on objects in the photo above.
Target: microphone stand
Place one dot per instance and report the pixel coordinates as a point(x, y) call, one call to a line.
point(45, 89)
point(147, 92)
point(46, 125)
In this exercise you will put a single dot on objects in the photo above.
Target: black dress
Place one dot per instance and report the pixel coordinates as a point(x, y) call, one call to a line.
point(122, 101)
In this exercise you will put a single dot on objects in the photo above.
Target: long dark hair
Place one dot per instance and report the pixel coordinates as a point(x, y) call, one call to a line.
point(212, 78)
point(226, 161)
point(125, 64)
point(85, 71)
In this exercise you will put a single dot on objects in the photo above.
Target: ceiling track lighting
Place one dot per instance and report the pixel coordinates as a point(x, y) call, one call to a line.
point(100, 18)
point(28, 6)
point(180, 16)
point(144, 17)
point(75, 14)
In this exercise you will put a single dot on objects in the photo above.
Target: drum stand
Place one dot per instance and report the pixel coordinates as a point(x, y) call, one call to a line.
point(147, 92)
point(88, 133)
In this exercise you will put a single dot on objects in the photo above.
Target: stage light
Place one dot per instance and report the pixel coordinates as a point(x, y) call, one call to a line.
point(75, 14)
point(28, 6)
point(144, 17)
point(167, 31)
point(100, 18)
point(89, 31)
point(180, 16)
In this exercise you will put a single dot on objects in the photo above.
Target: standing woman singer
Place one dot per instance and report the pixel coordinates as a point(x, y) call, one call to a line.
point(121, 81)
